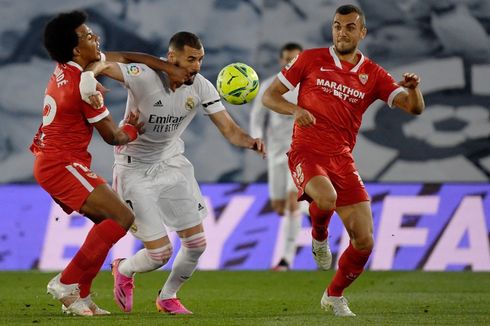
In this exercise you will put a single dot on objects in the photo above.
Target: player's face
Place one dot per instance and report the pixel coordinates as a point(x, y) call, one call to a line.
point(88, 48)
point(287, 56)
point(189, 59)
point(347, 31)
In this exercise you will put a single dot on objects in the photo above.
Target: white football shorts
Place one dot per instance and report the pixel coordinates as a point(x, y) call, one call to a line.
point(163, 195)
point(279, 178)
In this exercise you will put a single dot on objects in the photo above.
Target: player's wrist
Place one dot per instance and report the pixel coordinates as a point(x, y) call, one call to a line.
point(131, 131)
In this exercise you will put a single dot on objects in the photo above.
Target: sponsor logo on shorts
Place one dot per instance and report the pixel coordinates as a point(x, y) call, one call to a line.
point(200, 207)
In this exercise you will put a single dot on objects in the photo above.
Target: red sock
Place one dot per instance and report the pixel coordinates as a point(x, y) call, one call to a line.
point(93, 252)
point(85, 283)
point(319, 222)
point(351, 265)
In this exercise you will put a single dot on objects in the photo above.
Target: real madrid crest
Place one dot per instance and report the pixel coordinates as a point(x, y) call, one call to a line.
point(363, 78)
point(189, 103)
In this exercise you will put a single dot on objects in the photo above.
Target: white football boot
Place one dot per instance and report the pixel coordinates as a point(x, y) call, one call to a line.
point(321, 254)
point(339, 305)
point(69, 295)
point(96, 310)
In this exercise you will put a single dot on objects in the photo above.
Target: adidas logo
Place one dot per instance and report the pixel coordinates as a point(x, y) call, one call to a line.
point(200, 207)
point(158, 104)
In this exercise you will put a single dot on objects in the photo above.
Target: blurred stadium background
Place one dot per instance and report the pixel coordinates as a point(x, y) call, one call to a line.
point(428, 176)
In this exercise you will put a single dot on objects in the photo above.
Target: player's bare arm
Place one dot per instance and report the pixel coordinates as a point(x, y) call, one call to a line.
point(236, 135)
point(412, 101)
point(176, 74)
point(274, 100)
point(123, 135)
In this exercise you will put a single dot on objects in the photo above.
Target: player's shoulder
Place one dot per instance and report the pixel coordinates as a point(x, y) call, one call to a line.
point(371, 65)
point(137, 69)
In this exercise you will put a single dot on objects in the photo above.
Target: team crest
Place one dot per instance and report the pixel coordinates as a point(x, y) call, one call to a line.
point(189, 103)
point(363, 78)
point(291, 63)
point(133, 69)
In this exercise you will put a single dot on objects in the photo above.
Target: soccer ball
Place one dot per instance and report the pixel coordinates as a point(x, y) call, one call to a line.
point(237, 83)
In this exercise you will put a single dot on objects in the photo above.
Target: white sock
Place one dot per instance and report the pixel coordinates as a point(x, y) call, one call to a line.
point(290, 230)
point(145, 260)
point(184, 264)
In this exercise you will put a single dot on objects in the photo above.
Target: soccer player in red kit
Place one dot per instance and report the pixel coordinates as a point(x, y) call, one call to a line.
point(62, 162)
point(337, 84)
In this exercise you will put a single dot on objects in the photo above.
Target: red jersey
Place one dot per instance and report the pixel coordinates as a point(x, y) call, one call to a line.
point(66, 130)
point(337, 94)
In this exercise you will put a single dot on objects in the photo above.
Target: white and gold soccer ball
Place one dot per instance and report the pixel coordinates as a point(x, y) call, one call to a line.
point(237, 83)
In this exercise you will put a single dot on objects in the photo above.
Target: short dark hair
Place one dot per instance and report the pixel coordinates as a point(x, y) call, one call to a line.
point(60, 37)
point(181, 39)
point(347, 9)
point(290, 47)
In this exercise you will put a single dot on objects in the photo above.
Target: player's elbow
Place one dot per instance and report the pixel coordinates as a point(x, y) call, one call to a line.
point(417, 109)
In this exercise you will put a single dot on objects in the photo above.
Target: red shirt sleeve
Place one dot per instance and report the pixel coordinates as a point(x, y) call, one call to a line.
point(293, 72)
point(94, 115)
point(386, 87)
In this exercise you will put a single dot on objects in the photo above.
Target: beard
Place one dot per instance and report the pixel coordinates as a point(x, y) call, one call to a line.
point(348, 49)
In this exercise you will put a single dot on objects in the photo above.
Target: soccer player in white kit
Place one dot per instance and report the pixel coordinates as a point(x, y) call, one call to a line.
point(282, 191)
point(154, 177)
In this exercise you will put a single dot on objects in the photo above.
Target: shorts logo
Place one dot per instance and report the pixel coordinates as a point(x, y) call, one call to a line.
point(133, 70)
point(86, 170)
point(298, 175)
point(200, 207)
point(359, 178)
point(133, 228)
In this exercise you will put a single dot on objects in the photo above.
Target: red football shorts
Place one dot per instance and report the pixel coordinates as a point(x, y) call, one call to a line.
point(69, 183)
point(340, 169)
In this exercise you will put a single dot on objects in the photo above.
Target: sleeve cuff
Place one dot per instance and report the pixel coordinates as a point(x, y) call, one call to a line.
point(286, 82)
point(99, 117)
point(392, 96)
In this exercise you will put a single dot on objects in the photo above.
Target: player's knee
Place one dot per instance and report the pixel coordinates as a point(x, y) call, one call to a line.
point(278, 206)
point(126, 218)
point(326, 203)
point(364, 242)
point(195, 245)
point(160, 256)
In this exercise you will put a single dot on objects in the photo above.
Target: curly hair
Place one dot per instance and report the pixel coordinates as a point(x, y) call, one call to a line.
point(60, 37)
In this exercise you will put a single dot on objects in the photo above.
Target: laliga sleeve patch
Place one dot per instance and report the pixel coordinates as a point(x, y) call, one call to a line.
point(133, 69)
point(291, 63)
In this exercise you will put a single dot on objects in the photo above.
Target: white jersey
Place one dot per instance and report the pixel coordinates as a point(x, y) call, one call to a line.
point(165, 113)
point(279, 127)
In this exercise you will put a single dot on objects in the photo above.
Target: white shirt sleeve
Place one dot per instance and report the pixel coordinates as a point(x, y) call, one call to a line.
point(259, 113)
point(210, 99)
point(139, 78)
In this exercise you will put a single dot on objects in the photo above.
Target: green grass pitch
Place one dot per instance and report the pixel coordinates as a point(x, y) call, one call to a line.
point(265, 298)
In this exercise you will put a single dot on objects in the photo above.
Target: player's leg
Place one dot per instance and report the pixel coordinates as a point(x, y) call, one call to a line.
point(183, 211)
point(291, 224)
point(141, 192)
point(75, 187)
point(354, 209)
point(358, 221)
point(154, 255)
point(320, 189)
point(193, 245)
point(113, 219)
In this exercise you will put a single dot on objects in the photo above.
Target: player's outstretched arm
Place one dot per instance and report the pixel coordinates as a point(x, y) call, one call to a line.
point(412, 101)
point(236, 135)
point(274, 100)
point(120, 136)
point(176, 74)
